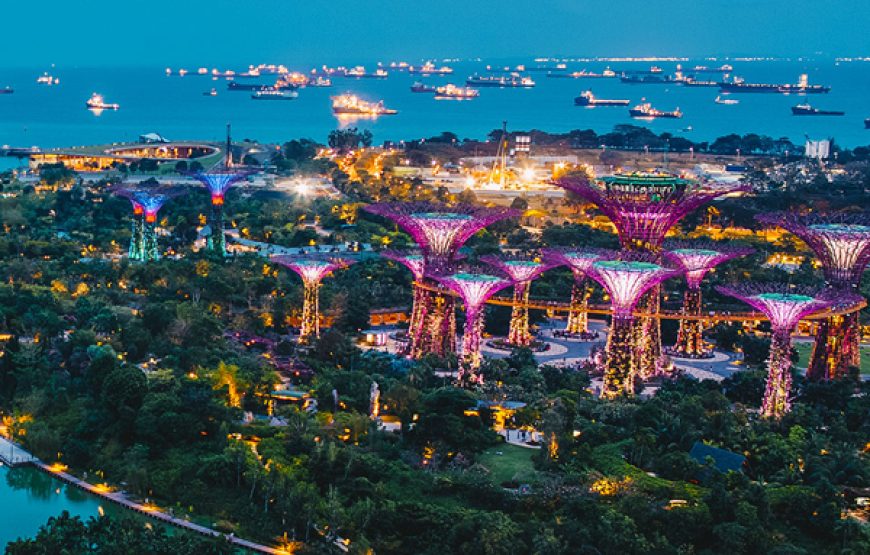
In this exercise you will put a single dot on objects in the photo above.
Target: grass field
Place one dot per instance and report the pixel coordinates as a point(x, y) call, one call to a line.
point(508, 461)
point(804, 349)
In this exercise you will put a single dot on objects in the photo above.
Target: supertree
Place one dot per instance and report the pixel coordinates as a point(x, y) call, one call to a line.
point(696, 258)
point(579, 260)
point(414, 261)
point(522, 270)
point(440, 231)
point(643, 207)
point(842, 244)
point(626, 276)
point(218, 181)
point(784, 306)
point(312, 269)
point(146, 202)
point(474, 287)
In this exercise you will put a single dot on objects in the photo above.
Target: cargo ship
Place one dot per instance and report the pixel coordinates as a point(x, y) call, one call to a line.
point(646, 79)
point(319, 81)
point(801, 87)
point(692, 82)
point(807, 110)
point(430, 69)
point(274, 94)
point(359, 72)
point(7, 90)
point(419, 87)
point(452, 92)
point(96, 102)
point(279, 85)
point(586, 98)
point(348, 104)
point(514, 81)
point(583, 74)
point(726, 101)
point(725, 68)
point(866, 123)
point(645, 110)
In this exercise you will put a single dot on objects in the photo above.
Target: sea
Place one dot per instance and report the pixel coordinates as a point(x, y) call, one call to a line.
point(176, 108)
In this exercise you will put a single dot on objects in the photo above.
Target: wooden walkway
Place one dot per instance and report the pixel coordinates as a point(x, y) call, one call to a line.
point(12, 455)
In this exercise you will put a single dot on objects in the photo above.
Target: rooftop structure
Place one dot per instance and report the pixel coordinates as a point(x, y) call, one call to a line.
point(696, 258)
point(475, 287)
point(522, 270)
point(440, 231)
point(579, 260)
point(842, 243)
point(218, 182)
point(784, 306)
point(146, 202)
point(312, 269)
point(626, 276)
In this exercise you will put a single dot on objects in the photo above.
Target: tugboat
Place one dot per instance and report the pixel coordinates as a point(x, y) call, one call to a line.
point(513, 81)
point(275, 94)
point(806, 110)
point(419, 87)
point(726, 101)
point(349, 104)
point(212, 92)
point(586, 98)
point(645, 110)
point(452, 92)
point(96, 102)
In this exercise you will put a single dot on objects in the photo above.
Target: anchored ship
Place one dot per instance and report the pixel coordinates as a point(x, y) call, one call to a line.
point(806, 110)
point(514, 81)
point(429, 69)
point(452, 92)
point(645, 110)
point(96, 102)
point(586, 98)
point(274, 94)
point(348, 104)
point(801, 87)
point(419, 87)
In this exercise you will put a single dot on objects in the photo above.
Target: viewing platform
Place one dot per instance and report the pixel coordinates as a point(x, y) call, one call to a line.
point(12, 455)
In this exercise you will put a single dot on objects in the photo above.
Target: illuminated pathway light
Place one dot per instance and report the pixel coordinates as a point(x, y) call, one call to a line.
point(696, 258)
point(784, 306)
point(218, 182)
point(522, 271)
point(579, 260)
point(625, 276)
point(643, 207)
point(440, 231)
point(312, 270)
point(842, 243)
point(146, 203)
point(474, 287)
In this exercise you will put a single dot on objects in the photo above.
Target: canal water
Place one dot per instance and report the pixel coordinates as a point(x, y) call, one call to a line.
point(28, 498)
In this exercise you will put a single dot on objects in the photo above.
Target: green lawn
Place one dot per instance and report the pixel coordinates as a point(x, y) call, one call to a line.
point(804, 350)
point(508, 461)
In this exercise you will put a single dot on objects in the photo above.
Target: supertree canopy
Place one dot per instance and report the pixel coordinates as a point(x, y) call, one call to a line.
point(643, 207)
point(146, 202)
point(579, 261)
point(440, 231)
point(521, 270)
point(784, 306)
point(475, 288)
point(842, 244)
point(218, 182)
point(626, 276)
point(696, 258)
point(312, 269)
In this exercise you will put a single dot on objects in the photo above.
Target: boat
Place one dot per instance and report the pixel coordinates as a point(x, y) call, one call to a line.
point(452, 92)
point(557, 67)
point(212, 92)
point(349, 104)
point(726, 101)
point(692, 82)
point(514, 81)
point(586, 98)
point(583, 74)
point(646, 78)
point(645, 110)
point(96, 102)
point(419, 87)
point(866, 123)
point(724, 68)
point(801, 87)
point(319, 82)
point(806, 110)
point(46, 79)
point(430, 69)
point(275, 94)
point(279, 85)
point(7, 90)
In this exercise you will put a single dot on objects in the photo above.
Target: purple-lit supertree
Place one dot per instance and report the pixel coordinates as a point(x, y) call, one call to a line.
point(146, 202)
point(842, 244)
point(696, 258)
point(218, 182)
point(474, 287)
point(522, 270)
point(626, 276)
point(784, 306)
point(643, 207)
point(579, 260)
point(414, 261)
point(312, 269)
point(440, 231)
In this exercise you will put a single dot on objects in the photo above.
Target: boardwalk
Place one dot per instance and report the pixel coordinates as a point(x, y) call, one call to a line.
point(11, 454)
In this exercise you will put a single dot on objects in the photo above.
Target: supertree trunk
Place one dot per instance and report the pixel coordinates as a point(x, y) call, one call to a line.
point(836, 348)
point(471, 337)
point(690, 339)
point(149, 242)
point(416, 319)
point(519, 327)
point(217, 241)
point(619, 359)
point(776, 394)
point(137, 229)
point(578, 317)
point(436, 330)
point(649, 345)
point(310, 328)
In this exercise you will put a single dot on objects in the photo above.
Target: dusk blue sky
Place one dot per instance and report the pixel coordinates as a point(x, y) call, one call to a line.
point(229, 33)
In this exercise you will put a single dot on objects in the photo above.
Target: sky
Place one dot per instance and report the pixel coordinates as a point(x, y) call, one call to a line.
point(225, 33)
